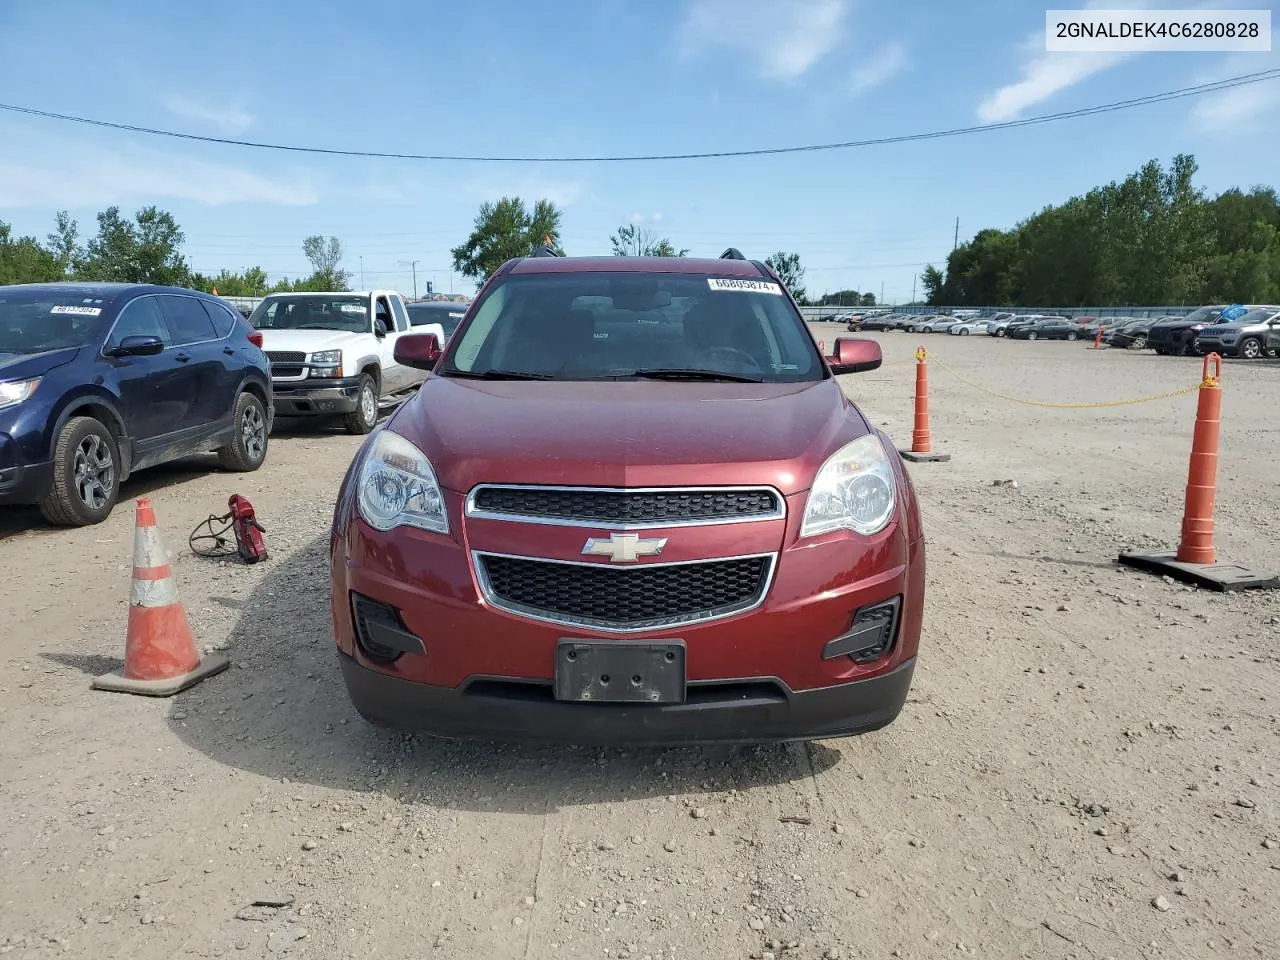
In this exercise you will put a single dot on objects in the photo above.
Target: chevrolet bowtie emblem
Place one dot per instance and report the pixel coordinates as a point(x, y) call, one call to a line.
point(624, 547)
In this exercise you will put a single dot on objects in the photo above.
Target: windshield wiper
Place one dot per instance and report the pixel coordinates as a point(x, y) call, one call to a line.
point(498, 375)
point(680, 373)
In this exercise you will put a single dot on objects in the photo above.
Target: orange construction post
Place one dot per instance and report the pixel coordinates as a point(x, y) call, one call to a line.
point(921, 440)
point(1196, 545)
point(1097, 337)
point(1196, 560)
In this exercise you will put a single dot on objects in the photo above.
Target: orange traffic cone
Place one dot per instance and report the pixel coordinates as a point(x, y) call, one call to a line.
point(1196, 559)
point(921, 440)
point(160, 653)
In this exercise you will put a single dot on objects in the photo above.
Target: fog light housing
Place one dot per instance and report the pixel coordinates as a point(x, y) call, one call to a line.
point(871, 635)
point(380, 632)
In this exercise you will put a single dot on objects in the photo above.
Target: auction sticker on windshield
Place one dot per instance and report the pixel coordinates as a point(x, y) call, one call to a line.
point(78, 311)
point(744, 286)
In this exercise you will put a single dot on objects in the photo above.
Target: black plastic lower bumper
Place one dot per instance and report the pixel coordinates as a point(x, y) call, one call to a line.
point(316, 397)
point(25, 484)
point(752, 712)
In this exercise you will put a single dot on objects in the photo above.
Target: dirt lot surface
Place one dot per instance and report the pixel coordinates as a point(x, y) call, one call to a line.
point(1088, 766)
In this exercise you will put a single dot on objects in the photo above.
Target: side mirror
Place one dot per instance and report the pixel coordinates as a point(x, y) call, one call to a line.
point(855, 355)
point(137, 346)
point(379, 328)
point(419, 350)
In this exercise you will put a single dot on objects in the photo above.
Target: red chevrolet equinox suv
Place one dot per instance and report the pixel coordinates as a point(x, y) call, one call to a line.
point(630, 504)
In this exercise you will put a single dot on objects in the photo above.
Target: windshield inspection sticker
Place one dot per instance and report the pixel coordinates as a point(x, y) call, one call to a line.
point(744, 286)
point(78, 311)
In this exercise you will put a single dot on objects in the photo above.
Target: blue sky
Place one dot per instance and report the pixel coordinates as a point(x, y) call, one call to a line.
point(609, 76)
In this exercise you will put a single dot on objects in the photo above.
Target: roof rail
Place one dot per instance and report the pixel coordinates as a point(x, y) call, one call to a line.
point(733, 253)
point(544, 249)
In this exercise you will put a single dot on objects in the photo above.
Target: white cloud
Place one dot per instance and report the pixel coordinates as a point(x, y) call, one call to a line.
point(227, 118)
point(646, 217)
point(877, 69)
point(79, 178)
point(1237, 109)
point(1045, 74)
point(1042, 77)
point(785, 39)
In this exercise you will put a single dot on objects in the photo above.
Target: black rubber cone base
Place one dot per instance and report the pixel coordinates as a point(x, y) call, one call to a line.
point(924, 457)
point(1223, 577)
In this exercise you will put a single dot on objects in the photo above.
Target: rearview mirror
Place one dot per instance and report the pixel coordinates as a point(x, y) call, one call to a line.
point(137, 346)
point(855, 355)
point(419, 350)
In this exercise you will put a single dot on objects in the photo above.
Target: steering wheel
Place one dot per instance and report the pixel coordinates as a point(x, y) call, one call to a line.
point(734, 353)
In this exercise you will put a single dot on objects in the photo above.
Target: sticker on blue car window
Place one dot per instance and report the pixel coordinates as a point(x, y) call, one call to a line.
point(744, 286)
point(77, 310)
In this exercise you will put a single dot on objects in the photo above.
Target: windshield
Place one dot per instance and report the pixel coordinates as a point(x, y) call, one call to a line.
point(349, 313)
point(447, 317)
point(1203, 315)
point(1257, 315)
point(591, 326)
point(33, 321)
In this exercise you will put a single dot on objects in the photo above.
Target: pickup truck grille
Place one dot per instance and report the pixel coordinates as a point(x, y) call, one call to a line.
point(636, 598)
point(596, 506)
point(286, 363)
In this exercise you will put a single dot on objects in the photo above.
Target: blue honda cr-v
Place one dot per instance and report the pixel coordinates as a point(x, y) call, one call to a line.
point(98, 380)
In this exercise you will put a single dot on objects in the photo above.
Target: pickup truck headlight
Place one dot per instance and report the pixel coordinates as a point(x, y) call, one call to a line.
point(399, 488)
point(855, 490)
point(14, 392)
point(326, 363)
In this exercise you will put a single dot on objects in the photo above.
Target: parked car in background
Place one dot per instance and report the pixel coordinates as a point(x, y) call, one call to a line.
point(440, 317)
point(101, 380)
point(969, 326)
point(333, 354)
point(930, 324)
point(1017, 320)
point(1249, 337)
point(875, 321)
point(1176, 336)
point(1046, 328)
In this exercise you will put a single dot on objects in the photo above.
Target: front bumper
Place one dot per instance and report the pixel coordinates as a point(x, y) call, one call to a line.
point(28, 484)
point(307, 398)
point(755, 711)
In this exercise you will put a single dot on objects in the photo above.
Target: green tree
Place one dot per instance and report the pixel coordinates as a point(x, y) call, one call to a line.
point(504, 230)
point(934, 284)
point(840, 298)
point(326, 264)
point(867, 300)
point(144, 250)
point(637, 241)
point(24, 260)
point(64, 242)
point(251, 283)
point(787, 267)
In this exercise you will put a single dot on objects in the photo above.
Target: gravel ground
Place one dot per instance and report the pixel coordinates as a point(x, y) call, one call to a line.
point(1088, 766)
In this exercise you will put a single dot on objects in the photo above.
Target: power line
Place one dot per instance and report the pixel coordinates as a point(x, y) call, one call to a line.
point(1111, 107)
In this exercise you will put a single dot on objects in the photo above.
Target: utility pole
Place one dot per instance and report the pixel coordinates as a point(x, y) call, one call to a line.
point(415, 270)
point(956, 242)
point(362, 273)
point(881, 300)
point(913, 289)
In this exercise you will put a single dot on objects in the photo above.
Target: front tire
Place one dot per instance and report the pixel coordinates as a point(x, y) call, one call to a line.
point(1031, 335)
point(1251, 348)
point(1072, 335)
point(964, 333)
point(248, 447)
point(363, 418)
point(86, 475)
point(1139, 342)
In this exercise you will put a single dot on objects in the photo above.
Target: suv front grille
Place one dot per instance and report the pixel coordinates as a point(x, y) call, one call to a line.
point(634, 598)
point(596, 506)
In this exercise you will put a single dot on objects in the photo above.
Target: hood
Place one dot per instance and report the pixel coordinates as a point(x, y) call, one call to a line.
point(627, 433)
point(310, 341)
point(24, 366)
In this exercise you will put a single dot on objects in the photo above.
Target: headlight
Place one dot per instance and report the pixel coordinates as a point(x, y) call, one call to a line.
point(15, 391)
point(398, 487)
point(327, 358)
point(854, 490)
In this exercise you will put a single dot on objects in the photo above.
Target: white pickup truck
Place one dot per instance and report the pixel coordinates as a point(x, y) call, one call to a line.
point(334, 354)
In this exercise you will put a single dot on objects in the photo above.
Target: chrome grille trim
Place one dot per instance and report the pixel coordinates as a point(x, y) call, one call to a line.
point(491, 599)
point(472, 509)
